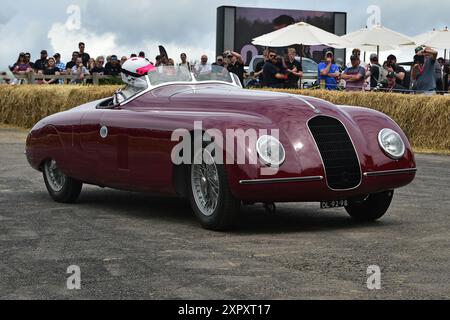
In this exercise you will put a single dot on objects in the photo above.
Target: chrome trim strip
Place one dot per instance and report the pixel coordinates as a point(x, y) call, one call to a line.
point(307, 103)
point(389, 172)
point(281, 180)
point(320, 154)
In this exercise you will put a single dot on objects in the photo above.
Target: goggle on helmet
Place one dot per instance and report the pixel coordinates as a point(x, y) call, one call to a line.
point(134, 70)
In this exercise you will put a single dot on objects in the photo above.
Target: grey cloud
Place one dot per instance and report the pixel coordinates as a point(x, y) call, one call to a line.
point(7, 13)
point(181, 21)
point(408, 17)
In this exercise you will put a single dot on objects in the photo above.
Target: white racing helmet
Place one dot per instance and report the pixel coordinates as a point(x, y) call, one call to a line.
point(134, 70)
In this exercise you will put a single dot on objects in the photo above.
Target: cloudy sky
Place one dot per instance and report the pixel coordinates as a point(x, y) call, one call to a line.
point(123, 27)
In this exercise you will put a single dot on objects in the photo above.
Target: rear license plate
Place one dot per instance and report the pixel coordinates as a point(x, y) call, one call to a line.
point(333, 204)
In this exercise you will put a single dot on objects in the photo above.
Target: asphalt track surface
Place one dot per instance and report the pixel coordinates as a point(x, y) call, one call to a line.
point(135, 246)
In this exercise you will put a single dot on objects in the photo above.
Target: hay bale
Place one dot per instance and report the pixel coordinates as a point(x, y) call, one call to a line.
point(27, 104)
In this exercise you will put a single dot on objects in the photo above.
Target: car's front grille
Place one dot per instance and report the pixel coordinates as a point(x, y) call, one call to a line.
point(338, 153)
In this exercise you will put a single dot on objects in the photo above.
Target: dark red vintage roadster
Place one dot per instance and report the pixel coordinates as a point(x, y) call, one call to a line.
point(339, 156)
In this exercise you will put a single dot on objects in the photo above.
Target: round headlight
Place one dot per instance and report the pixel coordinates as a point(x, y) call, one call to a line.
point(391, 142)
point(271, 151)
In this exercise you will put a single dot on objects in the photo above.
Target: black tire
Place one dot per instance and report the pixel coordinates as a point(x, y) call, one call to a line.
point(70, 188)
point(371, 208)
point(228, 206)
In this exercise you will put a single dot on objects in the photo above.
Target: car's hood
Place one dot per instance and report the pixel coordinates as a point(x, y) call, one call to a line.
point(275, 106)
point(224, 94)
point(225, 108)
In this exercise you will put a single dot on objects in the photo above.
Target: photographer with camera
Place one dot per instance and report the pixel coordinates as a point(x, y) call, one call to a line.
point(396, 74)
point(423, 71)
point(235, 64)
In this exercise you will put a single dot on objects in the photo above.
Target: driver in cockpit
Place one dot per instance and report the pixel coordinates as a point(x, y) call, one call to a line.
point(133, 75)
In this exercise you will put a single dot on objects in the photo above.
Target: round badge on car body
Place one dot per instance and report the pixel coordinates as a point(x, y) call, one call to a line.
point(104, 132)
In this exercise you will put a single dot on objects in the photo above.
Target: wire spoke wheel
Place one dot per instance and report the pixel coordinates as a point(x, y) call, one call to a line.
point(56, 179)
point(210, 195)
point(61, 188)
point(205, 182)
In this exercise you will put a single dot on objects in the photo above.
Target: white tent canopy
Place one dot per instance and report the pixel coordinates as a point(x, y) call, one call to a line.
point(439, 39)
point(379, 38)
point(300, 33)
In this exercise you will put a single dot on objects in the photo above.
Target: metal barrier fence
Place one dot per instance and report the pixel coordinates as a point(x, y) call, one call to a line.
point(33, 78)
point(378, 89)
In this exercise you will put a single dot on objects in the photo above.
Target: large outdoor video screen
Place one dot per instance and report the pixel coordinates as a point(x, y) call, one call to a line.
point(249, 23)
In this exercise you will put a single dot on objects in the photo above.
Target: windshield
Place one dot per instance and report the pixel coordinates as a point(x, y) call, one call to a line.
point(209, 72)
point(200, 72)
point(168, 74)
point(129, 91)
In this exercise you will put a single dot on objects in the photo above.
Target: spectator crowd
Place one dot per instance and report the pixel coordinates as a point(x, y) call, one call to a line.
point(427, 73)
point(79, 66)
point(82, 64)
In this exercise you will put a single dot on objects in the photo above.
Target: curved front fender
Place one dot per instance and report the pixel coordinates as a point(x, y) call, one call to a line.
point(44, 142)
